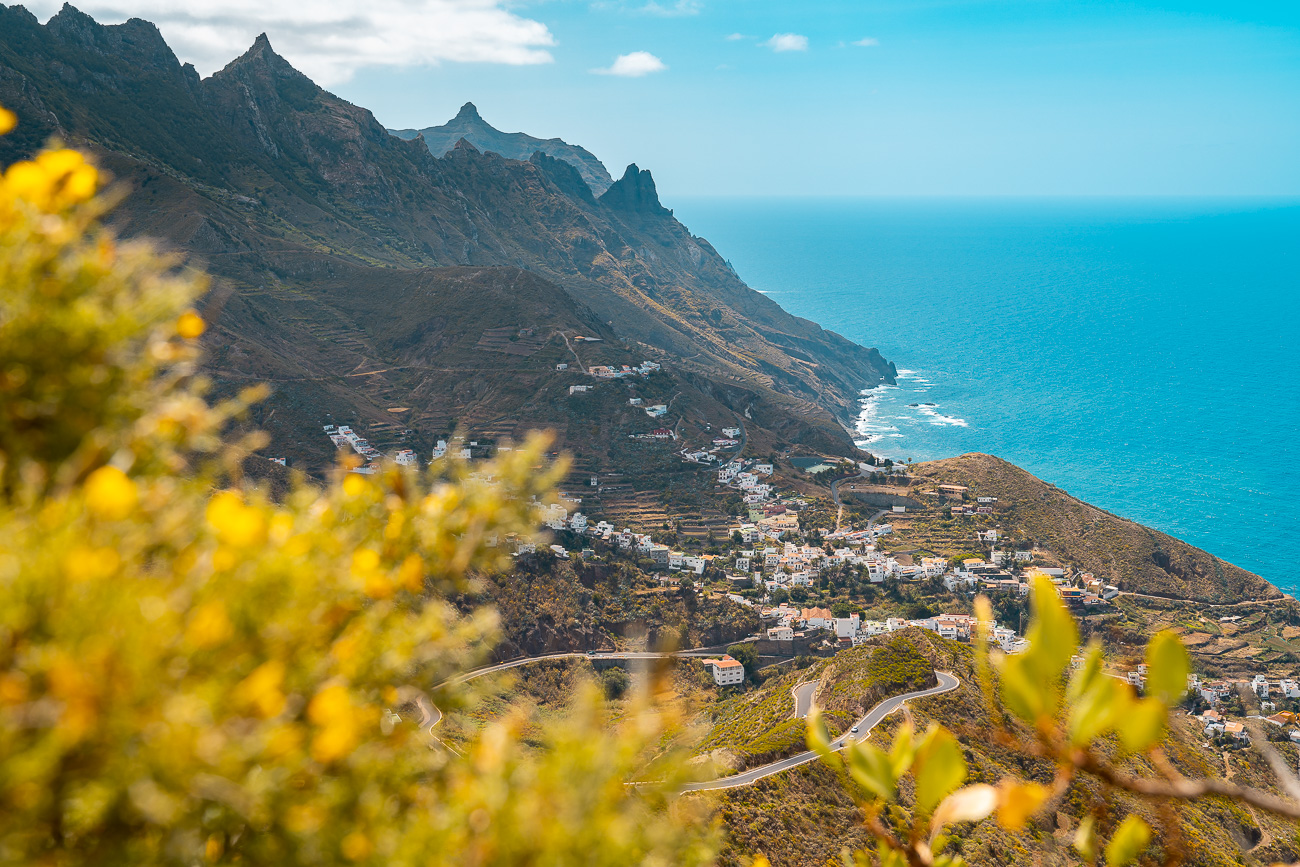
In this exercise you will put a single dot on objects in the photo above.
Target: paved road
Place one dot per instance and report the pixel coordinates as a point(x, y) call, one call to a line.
point(803, 696)
point(865, 725)
point(598, 654)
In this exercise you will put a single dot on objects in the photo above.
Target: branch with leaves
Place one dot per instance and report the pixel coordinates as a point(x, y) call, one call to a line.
point(1070, 716)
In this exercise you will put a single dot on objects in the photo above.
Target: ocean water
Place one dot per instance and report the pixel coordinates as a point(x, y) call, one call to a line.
point(1140, 354)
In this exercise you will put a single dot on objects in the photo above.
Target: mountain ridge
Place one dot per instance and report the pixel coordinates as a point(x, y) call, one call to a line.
point(266, 179)
point(469, 125)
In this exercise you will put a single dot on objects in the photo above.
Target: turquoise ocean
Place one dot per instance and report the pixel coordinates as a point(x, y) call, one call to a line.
point(1143, 355)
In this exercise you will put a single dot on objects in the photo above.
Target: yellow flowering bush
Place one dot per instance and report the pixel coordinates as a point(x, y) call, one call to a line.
point(192, 672)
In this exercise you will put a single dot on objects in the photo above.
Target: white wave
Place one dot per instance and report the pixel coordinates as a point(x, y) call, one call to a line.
point(940, 420)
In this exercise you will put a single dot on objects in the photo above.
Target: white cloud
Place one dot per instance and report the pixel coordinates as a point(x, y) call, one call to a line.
point(633, 65)
point(734, 37)
point(787, 42)
point(672, 10)
point(868, 42)
point(329, 40)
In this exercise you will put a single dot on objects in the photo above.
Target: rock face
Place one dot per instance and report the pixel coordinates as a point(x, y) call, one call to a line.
point(469, 125)
point(635, 193)
point(280, 182)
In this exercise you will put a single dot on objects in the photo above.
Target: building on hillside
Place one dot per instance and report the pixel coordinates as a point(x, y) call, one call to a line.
point(780, 633)
point(847, 627)
point(726, 671)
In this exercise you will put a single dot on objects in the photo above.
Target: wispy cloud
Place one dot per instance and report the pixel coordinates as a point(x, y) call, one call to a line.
point(342, 37)
point(734, 37)
point(672, 10)
point(634, 65)
point(787, 42)
point(868, 42)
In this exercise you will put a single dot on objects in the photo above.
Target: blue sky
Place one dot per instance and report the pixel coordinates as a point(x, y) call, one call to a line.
point(948, 97)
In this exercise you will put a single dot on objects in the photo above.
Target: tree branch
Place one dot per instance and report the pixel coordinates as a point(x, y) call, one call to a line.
point(1186, 789)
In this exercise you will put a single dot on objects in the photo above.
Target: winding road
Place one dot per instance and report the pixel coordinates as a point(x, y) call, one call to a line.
point(803, 695)
point(882, 709)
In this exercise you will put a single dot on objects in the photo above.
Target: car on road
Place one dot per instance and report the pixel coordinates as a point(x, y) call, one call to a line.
point(853, 730)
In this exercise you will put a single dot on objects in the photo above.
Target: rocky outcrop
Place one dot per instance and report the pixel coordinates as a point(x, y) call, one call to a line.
point(635, 193)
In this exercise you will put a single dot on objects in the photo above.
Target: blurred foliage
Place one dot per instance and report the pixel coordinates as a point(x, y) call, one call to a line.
point(192, 672)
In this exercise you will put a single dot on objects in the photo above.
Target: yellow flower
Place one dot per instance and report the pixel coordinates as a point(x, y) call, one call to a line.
point(8, 120)
point(110, 494)
point(237, 525)
point(209, 625)
point(191, 325)
point(261, 690)
point(355, 846)
point(84, 563)
point(411, 573)
point(332, 711)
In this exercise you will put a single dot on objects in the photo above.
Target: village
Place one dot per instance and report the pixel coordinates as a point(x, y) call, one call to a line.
point(769, 561)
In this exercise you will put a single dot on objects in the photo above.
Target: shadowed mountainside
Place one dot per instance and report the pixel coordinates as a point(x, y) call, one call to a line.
point(271, 182)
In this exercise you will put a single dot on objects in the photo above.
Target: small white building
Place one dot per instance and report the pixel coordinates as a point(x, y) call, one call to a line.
point(726, 671)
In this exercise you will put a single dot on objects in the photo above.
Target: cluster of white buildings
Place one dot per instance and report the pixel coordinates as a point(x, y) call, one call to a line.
point(747, 476)
point(345, 437)
point(791, 622)
point(556, 516)
point(605, 371)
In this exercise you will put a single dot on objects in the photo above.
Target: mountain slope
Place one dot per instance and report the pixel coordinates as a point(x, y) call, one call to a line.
point(256, 163)
point(470, 126)
point(1135, 558)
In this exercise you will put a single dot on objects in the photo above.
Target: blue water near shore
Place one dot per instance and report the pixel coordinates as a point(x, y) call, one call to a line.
point(1140, 354)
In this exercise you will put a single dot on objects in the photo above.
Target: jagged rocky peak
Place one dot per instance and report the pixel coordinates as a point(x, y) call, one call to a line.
point(469, 125)
point(469, 112)
point(464, 145)
point(135, 40)
point(635, 193)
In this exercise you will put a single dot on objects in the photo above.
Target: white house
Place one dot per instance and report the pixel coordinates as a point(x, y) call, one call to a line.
point(726, 671)
point(780, 633)
point(846, 627)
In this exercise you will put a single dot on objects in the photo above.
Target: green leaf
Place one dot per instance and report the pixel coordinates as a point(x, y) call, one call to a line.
point(1019, 690)
point(819, 740)
point(1167, 668)
point(903, 752)
point(1053, 635)
point(1086, 675)
point(1131, 838)
point(1099, 709)
point(940, 768)
point(1142, 726)
point(870, 767)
